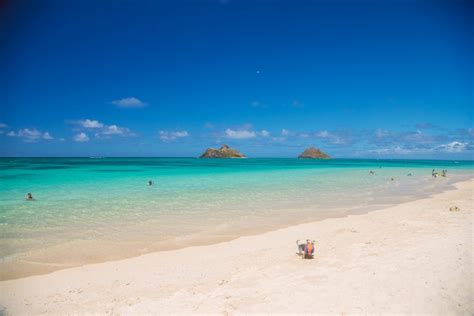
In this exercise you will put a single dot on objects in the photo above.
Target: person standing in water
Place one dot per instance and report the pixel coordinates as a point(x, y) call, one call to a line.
point(29, 197)
point(150, 183)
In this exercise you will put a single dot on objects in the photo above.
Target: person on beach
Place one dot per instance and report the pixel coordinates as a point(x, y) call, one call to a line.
point(434, 173)
point(444, 173)
point(306, 250)
point(29, 197)
point(309, 249)
point(371, 172)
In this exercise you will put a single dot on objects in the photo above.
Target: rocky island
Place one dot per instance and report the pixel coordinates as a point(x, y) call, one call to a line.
point(223, 152)
point(314, 153)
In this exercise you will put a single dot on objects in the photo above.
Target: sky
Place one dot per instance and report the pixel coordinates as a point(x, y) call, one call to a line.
point(362, 79)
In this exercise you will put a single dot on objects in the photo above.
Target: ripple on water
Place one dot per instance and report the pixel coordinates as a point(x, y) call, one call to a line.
point(16, 176)
point(118, 170)
point(49, 167)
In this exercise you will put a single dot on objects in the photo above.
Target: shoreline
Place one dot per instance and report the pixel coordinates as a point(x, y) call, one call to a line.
point(35, 262)
point(388, 260)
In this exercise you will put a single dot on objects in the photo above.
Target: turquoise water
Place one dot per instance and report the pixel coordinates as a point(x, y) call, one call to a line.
point(103, 209)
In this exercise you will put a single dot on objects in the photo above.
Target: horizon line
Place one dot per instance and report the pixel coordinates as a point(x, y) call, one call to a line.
point(273, 157)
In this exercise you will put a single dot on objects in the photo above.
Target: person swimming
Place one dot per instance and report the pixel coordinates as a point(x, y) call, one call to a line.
point(29, 197)
point(150, 182)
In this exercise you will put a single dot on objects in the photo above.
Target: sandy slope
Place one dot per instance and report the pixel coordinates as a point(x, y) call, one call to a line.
point(416, 257)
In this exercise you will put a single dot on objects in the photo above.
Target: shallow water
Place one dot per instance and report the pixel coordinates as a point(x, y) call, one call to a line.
point(91, 210)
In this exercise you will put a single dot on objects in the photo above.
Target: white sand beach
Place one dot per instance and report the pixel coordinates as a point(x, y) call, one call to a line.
point(415, 257)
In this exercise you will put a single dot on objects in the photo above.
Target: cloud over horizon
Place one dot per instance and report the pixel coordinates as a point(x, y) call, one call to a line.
point(81, 137)
point(90, 123)
point(130, 102)
point(103, 130)
point(30, 135)
point(378, 142)
point(239, 134)
point(167, 136)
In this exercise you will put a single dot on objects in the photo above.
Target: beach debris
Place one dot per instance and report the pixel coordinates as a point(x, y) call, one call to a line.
point(454, 209)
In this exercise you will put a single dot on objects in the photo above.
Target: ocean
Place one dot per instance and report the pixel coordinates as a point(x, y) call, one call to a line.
point(89, 210)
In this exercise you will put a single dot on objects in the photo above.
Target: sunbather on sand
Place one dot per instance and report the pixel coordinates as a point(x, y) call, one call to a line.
point(306, 250)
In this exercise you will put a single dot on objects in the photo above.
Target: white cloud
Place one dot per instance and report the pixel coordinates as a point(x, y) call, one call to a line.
point(297, 104)
point(381, 133)
point(115, 130)
point(208, 125)
point(264, 133)
point(239, 134)
point(323, 134)
point(90, 123)
point(331, 138)
point(417, 136)
point(3, 125)
point(279, 139)
point(130, 102)
point(258, 104)
point(103, 130)
point(47, 136)
point(81, 137)
point(453, 147)
point(30, 135)
point(397, 150)
point(285, 132)
point(167, 136)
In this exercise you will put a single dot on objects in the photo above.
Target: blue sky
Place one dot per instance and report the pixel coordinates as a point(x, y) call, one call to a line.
point(384, 79)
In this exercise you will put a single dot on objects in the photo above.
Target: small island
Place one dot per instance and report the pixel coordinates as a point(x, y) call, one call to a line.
point(223, 152)
point(313, 153)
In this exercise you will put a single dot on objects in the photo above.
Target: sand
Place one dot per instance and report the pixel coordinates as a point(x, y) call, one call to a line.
point(415, 257)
